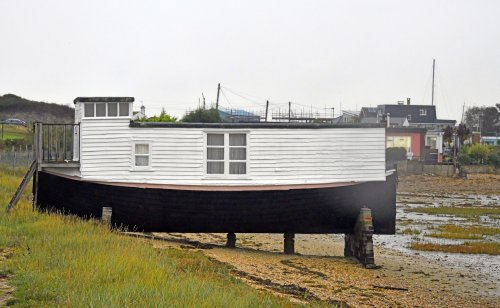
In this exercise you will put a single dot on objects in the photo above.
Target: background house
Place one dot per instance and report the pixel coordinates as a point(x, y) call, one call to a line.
point(411, 116)
point(410, 138)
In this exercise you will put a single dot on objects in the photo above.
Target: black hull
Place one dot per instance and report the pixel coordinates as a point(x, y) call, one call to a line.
point(313, 210)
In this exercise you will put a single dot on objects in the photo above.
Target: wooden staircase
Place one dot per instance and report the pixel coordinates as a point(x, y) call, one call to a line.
point(22, 186)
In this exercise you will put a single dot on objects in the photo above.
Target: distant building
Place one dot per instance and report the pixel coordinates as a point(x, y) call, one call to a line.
point(238, 116)
point(348, 117)
point(138, 115)
point(412, 116)
point(410, 138)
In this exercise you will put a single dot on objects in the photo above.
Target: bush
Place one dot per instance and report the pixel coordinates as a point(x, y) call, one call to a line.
point(394, 154)
point(201, 115)
point(163, 117)
point(494, 157)
point(479, 152)
point(464, 159)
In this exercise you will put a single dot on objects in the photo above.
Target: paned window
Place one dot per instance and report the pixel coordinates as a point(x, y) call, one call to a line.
point(226, 153)
point(142, 155)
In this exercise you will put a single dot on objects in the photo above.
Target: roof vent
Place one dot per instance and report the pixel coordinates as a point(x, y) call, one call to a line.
point(407, 101)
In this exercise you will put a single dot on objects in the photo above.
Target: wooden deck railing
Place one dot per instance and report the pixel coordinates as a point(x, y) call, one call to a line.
point(57, 143)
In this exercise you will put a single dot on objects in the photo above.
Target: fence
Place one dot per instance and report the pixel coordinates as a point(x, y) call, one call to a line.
point(17, 158)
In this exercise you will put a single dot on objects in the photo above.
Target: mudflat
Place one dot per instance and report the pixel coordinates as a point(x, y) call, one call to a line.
point(319, 273)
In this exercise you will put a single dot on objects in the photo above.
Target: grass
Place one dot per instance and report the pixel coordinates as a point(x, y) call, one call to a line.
point(458, 211)
point(463, 232)
point(65, 261)
point(411, 231)
point(490, 248)
point(14, 132)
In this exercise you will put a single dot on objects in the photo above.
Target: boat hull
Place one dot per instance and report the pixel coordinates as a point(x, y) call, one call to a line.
point(308, 211)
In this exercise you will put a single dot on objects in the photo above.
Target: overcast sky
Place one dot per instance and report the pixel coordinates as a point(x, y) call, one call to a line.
point(319, 53)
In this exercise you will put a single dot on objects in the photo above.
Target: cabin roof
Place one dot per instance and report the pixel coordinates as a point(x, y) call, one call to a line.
point(251, 125)
point(101, 99)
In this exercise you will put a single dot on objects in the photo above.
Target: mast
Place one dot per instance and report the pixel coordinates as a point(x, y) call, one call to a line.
point(217, 102)
point(433, 70)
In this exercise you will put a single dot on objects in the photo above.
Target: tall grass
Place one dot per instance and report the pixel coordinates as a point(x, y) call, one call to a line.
point(64, 261)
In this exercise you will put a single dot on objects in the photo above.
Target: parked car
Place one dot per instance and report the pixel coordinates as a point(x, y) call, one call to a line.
point(14, 122)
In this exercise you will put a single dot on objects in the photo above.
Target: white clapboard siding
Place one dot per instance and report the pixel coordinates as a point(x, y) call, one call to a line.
point(274, 156)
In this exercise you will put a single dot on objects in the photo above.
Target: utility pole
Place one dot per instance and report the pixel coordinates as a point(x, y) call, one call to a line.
point(217, 102)
point(463, 112)
point(289, 111)
point(267, 108)
point(433, 70)
point(204, 107)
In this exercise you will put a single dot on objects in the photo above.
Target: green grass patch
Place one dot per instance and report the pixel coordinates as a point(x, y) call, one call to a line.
point(65, 261)
point(490, 248)
point(457, 211)
point(15, 132)
point(410, 231)
point(463, 232)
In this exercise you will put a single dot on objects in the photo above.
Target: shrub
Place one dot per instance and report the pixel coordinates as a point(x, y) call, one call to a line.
point(479, 152)
point(494, 157)
point(394, 154)
point(464, 159)
point(201, 115)
point(163, 117)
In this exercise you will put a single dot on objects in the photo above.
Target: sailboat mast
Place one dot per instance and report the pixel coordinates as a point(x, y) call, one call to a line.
point(433, 70)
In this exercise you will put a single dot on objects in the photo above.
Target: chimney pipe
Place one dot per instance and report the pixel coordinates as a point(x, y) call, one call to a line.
point(407, 100)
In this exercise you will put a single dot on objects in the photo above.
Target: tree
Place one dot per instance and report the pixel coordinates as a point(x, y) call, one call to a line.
point(448, 135)
point(201, 115)
point(483, 119)
point(463, 132)
point(490, 122)
point(472, 118)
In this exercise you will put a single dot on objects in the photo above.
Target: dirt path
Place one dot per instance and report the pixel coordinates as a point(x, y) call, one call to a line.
point(6, 290)
point(319, 272)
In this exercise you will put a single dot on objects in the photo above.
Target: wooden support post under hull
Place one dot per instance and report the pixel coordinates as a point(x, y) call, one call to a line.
point(231, 240)
point(289, 243)
point(107, 212)
point(360, 243)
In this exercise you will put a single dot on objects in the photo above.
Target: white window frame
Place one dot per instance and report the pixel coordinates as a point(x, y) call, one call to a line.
point(149, 167)
point(118, 116)
point(423, 112)
point(226, 173)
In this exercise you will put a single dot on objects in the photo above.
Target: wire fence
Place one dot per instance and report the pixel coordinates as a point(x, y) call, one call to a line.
point(16, 158)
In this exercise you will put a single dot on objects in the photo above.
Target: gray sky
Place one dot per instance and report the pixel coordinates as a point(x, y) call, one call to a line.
point(354, 53)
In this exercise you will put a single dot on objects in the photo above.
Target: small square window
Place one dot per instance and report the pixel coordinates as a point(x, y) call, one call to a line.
point(100, 110)
point(124, 110)
point(423, 112)
point(112, 109)
point(89, 110)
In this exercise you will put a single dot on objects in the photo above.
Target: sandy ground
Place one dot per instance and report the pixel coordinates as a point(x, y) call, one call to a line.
point(319, 272)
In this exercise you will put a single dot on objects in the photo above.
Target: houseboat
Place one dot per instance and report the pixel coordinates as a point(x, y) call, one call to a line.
point(261, 177)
